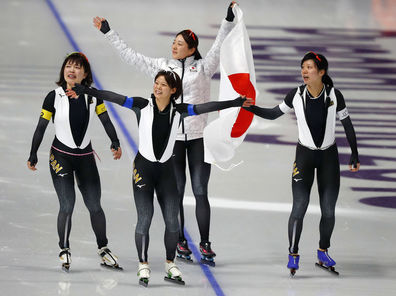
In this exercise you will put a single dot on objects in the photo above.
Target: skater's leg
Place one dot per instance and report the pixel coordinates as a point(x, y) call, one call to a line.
point(89, 184)
point(63, 180)
point(143, 191)
point(328, 187)
point(200, 173)
point(302, 179)
point(168, 200)
point(179, 162)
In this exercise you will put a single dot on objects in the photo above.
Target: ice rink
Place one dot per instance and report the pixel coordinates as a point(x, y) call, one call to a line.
point(252, 202)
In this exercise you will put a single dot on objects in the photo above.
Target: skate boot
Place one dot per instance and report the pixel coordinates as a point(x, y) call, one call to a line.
point(293, 263)
point(143, 274)
point(326, 262)
point(207, 254)
point(108, 258)
point(65, 258)
point(173, 273)
point(183, 252)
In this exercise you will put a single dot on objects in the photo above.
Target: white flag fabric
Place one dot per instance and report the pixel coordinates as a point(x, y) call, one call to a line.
point(237, 77)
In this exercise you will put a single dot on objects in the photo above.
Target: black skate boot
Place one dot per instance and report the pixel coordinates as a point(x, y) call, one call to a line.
point(65, 258)
point(183, 252)
point(207, 254)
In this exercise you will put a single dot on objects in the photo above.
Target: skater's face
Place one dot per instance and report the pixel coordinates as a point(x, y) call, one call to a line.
point(310, 73)
point(162, 90)
point(73, 73)
point(180, 48)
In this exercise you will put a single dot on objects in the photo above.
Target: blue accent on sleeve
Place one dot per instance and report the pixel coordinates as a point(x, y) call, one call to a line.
point(190, 109)
point(128, 103)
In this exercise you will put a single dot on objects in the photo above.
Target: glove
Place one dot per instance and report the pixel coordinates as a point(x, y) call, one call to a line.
point(230, 15)
point(238, 102)
point(105, 27)
point(82, 89)
point(33, 160)
point(354, 160)
point(182, 108)
point(115, 145)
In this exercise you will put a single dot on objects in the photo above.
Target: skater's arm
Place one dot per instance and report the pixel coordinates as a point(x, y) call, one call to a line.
point(47, 112)
point(135, 102)
point(143, 63)
point(190, 109)
point(267, 113)
point(354, 163)
point(109, 128)
point(36, 141)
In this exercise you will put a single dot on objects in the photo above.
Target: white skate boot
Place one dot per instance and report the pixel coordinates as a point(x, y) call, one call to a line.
point(143, 274)
point(108, 258)
point(173, 273)
point(65, 258)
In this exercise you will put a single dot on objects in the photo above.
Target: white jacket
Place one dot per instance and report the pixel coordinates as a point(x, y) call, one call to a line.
point(196, 78)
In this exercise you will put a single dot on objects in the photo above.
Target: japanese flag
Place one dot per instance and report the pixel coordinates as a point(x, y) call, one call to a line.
point(237, 77)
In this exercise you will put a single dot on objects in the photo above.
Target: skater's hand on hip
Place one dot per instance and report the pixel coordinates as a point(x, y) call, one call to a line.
point(101, 24)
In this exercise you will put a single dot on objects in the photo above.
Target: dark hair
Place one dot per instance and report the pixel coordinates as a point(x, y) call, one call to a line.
point(173, 81)
point(321, 63)
point(192, 41)
point(79, 59)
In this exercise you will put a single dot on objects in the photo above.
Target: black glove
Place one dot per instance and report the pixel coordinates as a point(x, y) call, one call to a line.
point(238, 102)
point(230, 15)
point(182, 108)
point(82, 89)
point(115, 145)
point(33, 159)
point(354, 160)
point(105, 27)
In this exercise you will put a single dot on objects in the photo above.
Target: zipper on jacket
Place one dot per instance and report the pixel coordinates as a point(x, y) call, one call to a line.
point(183, 61)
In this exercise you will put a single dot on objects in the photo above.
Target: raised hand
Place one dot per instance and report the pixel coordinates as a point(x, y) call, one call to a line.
point(101, 24)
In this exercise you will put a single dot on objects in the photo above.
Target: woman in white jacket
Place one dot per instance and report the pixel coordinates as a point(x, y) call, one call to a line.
point(196, 73)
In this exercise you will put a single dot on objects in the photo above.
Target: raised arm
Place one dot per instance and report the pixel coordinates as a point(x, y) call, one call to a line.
point(148, 65)
point(212, 58)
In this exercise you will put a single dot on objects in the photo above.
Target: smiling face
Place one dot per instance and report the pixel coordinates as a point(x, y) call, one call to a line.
point(73, 73)
point(162, 90)
point(310, 73)
point(180, 48)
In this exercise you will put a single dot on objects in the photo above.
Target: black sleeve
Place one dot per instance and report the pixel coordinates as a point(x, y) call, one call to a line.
point(289, 97)
point(110, 96)
point(340, 100)
point(190, 109)
point(266, 113)
point(37, 139)
point(49, 102)
point(110, 130)
point(351, 137)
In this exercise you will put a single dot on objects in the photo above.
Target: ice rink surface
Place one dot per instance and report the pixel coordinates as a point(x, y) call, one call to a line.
point(252, 202)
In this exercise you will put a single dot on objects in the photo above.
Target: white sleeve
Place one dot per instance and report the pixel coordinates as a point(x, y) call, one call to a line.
point(343, 114)
point(148, 65)
point(212, 59)
point(284, 108)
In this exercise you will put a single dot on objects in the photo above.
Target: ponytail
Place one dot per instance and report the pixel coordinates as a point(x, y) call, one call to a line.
point(327, 80)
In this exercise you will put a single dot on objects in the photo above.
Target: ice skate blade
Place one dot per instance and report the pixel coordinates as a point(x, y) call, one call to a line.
point(328, 268)
point(183, 258)
point(209, 262)
point(144, 282)
point(65, 267)
point(112, 267)
point(177, 280)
